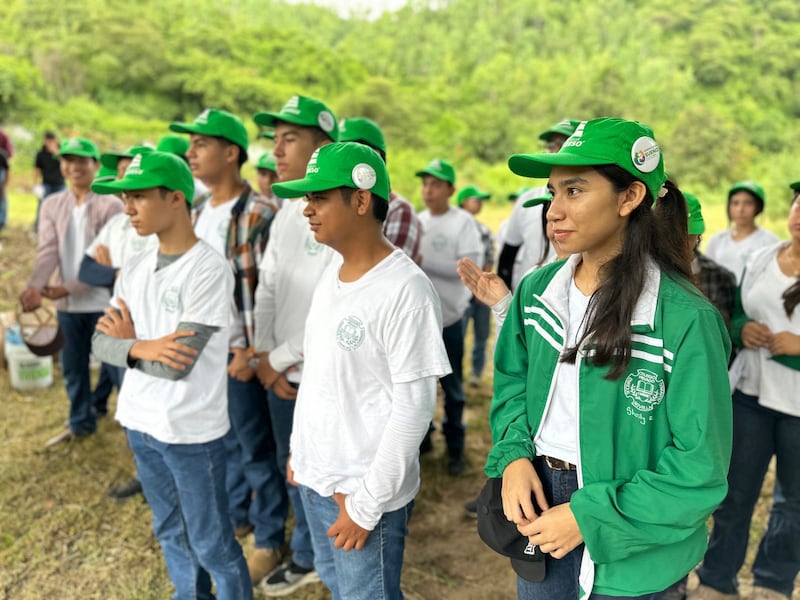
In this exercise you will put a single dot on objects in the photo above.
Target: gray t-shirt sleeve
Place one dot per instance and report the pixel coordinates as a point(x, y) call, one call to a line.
point(116, 351)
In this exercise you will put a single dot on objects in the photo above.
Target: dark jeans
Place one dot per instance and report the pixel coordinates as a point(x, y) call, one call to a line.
point(480, 314)
point(758, 434)
point(110, 377)
point(452, 424)
point(254, 457)
point(78, 329)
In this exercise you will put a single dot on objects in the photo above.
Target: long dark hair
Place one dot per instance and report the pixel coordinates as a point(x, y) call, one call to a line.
point(791, 298)
point(659, 234)
point(546, 241)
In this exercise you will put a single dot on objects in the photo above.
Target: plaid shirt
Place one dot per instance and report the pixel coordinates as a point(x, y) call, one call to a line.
point(717, 283)
point(402, 227)
point(248, 234)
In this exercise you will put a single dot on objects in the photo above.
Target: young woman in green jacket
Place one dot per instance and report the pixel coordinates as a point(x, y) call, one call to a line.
point(611, 418)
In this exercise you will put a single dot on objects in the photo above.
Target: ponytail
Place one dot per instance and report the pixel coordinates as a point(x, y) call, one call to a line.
point(791, 298)
point(658, 234)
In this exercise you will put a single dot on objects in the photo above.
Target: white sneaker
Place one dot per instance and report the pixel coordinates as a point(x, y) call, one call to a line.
point(288, 578)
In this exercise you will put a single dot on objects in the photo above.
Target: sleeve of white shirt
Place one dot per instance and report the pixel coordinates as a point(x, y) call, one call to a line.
point(513, 234)
point(412, 410)
point(101, 238)
point(209, 302)
point(264, 308)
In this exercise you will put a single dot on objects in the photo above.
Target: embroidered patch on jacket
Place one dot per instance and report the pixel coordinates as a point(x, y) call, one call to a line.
point(645, 390)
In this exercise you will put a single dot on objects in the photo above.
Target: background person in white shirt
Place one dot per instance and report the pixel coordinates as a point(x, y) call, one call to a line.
point(448, 235)
point(732, 248)
point(373, 355)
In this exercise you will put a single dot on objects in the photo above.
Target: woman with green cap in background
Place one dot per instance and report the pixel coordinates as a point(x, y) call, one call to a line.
point(765, 378)
point(611, 411)
point(731, 248)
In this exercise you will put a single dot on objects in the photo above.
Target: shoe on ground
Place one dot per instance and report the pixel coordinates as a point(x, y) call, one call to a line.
point(65, 436)
point(287, 579)
point(474, 381)
point(764, 593)
point(704, 592)
point(471, 508)
point(262, 562)
point(243, 531)
point(126, 490)
point(456, 462)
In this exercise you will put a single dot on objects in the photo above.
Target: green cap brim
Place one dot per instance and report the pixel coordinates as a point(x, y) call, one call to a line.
point(125, 184)
point(795, 186)
point(433, 173)
point(538, 166)
point(301, 187)
point(537, 201)
point(110, 160)
point(270, 135)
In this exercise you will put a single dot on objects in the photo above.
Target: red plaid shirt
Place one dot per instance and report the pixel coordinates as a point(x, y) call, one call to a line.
point(402, 227)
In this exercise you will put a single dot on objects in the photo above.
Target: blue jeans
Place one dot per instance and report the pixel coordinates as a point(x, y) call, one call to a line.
point(480, 314)
point(78, 329)
point(255, 459)
point(184, 484)
point(452, 425)
point(3, 199)
point(372, 573)
point(110, 377)
point(758, 434)
point(281, 413)
point(561, 578)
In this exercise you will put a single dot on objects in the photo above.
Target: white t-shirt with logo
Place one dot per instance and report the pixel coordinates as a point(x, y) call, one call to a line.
point(121, 239)
point(446, 238)
point(558, 435)
point(733, 254)
point(212, 224)
point(365, 341)
point(93, 299)
point(195, 288)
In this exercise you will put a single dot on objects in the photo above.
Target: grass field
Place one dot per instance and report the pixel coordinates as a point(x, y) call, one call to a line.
point(60, 537)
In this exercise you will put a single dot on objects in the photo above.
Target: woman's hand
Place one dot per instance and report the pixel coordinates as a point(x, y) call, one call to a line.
point(756, 335)
point(487, 287)
point(785, 343)
point(555, 531)
point(519, 482)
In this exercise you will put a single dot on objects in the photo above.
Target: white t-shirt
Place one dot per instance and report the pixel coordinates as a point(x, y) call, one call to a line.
point(446, 238)
point(121, 239)
point(777, 386)
point(525, 229)
point(732, 254)
point(355, 430)
point(73, 247)
point(289, 271)
point(195, 288)
point(212, 224)
point(558, 435)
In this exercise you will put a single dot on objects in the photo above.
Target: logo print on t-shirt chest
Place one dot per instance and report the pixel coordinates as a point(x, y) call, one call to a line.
point(171, 300)
point(350, 333)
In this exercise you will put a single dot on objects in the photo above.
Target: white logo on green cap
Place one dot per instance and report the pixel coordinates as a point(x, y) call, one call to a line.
point(364, 176)
point(292, 106)
point(645, 154)
point(135, 168)
point(74, 143)
point(574, 139)
point(312, 163)
point(202, 117)
point(436, 164)
point(326, 121)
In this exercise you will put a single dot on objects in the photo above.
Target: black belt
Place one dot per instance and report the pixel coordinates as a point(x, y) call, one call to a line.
point(556, 464)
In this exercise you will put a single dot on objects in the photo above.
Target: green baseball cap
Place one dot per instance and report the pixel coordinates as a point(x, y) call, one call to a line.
point(301, 110)
point(105, 173)
point(538, 200)
point(216, 123)
point(156, 169)
point(268, 135)
point(471, 191)
point(748, 186)
point(563, 127)
point(361, 129)
point(441, 169)
point(346, 164)
point(606, 141)
point(174, 144)
point(267, 161)
point(697, 225)
point(795, 186)
point(519, 192)
point(111, 159)
point(78, 146)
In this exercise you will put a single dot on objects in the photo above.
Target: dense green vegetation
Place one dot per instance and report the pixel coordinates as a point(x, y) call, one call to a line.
point(470, 80)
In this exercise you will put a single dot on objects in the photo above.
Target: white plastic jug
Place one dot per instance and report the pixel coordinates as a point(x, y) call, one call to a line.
point(26, 370)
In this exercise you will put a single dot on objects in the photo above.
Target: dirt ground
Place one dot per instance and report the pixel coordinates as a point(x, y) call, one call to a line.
point(60, 537)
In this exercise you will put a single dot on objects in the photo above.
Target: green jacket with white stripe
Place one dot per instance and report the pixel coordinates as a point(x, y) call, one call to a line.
point(654, 445)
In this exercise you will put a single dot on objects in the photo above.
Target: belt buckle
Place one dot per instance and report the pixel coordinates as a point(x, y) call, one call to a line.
point(556, 464)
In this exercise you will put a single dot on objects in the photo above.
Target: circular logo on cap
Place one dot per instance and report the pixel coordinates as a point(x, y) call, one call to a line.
point(645, 154)
point(325, 120)
point(364, 176)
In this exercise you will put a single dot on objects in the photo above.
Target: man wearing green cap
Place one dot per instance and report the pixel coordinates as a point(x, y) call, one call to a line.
point(169, 326)
point(471, 200)
point(68, 222)
point(291, 267)
point(179, 146)
point(449, 234)
point(731, 248)
point(524, 241)
point(267, 175)
point(401, 226)
point(235, 220)
point(373, 355)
